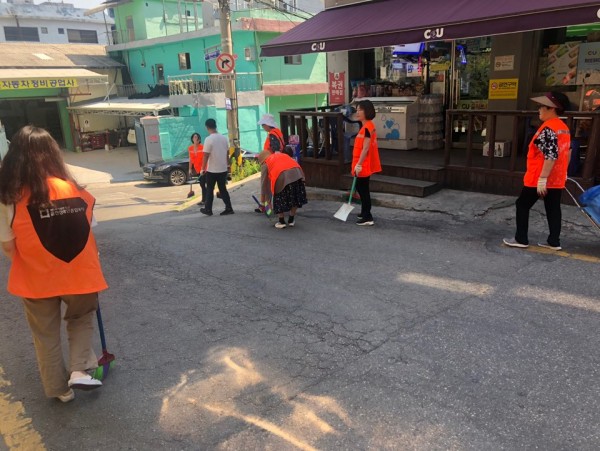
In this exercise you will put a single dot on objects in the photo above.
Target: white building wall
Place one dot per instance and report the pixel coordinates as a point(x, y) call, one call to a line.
point(52, 17)
point(52, 25)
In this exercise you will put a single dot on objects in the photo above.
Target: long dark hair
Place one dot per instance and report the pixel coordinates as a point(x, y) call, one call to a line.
point(33, 156)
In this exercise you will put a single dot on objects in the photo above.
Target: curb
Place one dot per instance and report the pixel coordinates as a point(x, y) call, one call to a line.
point(194, 200)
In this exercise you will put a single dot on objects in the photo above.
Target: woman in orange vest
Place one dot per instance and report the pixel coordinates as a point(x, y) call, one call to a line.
point(45, 230)
point(196, 151)
point(365, 159)
point(283, 180)
point(274, 141)
point(547, 164)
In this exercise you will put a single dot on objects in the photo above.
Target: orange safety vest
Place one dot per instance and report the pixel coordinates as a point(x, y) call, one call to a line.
point(535, 157)
point(371, 163)
point(56, 252)
point(277, 134)
point(276, 164)
point(196, 156)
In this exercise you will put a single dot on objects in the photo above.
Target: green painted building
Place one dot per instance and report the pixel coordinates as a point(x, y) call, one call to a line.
point(176, 43)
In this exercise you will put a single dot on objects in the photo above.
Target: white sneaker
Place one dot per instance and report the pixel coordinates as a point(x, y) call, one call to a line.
point(68, 396)
point(84, 383)
point(547, 246)
point(511, 242)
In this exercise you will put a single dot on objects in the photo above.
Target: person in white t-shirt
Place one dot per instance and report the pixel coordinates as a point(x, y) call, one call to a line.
point(214, 165)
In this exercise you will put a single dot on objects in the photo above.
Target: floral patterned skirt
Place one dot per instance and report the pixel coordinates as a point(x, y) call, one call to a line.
point(293, 195)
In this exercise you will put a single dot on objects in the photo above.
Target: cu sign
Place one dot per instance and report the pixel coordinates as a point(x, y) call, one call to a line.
point(317, 47)
point(433, 33)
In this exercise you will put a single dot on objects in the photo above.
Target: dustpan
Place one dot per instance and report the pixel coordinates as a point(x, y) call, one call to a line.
point(191, 191)
point(345, 209)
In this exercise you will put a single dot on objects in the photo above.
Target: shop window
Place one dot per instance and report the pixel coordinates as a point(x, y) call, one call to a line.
point(184, 61)
point(82, 36)
point(29, 34)
point(557, 61)
point(472, 60)
point(292, 59)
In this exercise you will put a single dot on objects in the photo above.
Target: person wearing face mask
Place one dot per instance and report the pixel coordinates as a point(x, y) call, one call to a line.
point(546, 175)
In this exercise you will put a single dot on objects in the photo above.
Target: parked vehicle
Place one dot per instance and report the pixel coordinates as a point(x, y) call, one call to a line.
point(175, 172)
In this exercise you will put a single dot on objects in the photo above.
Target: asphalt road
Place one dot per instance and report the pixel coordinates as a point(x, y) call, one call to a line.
point(422, 332)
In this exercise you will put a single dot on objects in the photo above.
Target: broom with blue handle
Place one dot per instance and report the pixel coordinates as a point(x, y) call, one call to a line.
point(107, 361)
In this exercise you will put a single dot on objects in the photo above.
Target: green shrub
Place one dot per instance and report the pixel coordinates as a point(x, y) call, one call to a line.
point(247, 168)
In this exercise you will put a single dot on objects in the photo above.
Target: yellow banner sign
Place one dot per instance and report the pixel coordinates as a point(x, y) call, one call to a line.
point(503, 89)
point(38, 83)
point(439, 67)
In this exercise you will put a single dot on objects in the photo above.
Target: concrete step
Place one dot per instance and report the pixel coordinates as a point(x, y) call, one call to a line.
point(398, 185)
point(427, 172)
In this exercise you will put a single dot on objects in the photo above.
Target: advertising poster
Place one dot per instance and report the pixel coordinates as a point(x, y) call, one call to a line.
point(337, 88)
point(561, 68)
point(503, 89)
point(589, 64)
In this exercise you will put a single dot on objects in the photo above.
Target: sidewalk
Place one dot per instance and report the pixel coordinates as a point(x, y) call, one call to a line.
point(122, 165)
point(465, 205)
point(101, 166)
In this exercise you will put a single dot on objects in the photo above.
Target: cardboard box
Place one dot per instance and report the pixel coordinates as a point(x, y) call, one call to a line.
point(502, 149)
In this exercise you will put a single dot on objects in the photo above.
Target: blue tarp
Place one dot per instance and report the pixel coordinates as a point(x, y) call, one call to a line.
point(590, 199)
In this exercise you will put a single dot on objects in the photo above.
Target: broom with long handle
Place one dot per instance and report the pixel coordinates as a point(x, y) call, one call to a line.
point(107, 361)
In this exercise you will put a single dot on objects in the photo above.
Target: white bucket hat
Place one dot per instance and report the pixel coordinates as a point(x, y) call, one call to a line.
point(267, 119)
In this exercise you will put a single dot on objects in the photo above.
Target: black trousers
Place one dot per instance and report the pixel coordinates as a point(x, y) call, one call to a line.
point(526, 200)
point(202, 183)
point(362, 187)
point(220, 179)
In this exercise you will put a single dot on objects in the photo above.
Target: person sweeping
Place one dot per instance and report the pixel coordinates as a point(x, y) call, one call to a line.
point(45, 230)
point(283, 180)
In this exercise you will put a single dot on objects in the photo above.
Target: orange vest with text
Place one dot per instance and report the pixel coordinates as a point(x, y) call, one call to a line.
point(196, 156)
point(371, 163)
point(56, 252)
point(279, 135)
point(276, 164)
point(535, 157)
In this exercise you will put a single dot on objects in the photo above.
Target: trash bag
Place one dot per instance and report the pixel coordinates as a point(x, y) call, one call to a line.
point(590, 199)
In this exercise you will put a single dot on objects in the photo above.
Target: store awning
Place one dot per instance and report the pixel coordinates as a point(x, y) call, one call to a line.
point(122, 107)
point(390, 22)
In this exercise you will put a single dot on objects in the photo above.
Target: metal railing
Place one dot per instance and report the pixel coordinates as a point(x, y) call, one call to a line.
point(321, 132)
point(202, 83)
point(521, 133)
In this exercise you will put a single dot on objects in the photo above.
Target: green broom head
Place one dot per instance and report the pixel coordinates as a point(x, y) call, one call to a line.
point(105, 364)
point(102, 371)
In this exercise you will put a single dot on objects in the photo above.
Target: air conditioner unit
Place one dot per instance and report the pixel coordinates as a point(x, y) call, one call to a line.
point(250, 53)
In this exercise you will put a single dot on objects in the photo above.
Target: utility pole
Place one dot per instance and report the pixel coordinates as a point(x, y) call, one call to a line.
point(230, 88)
